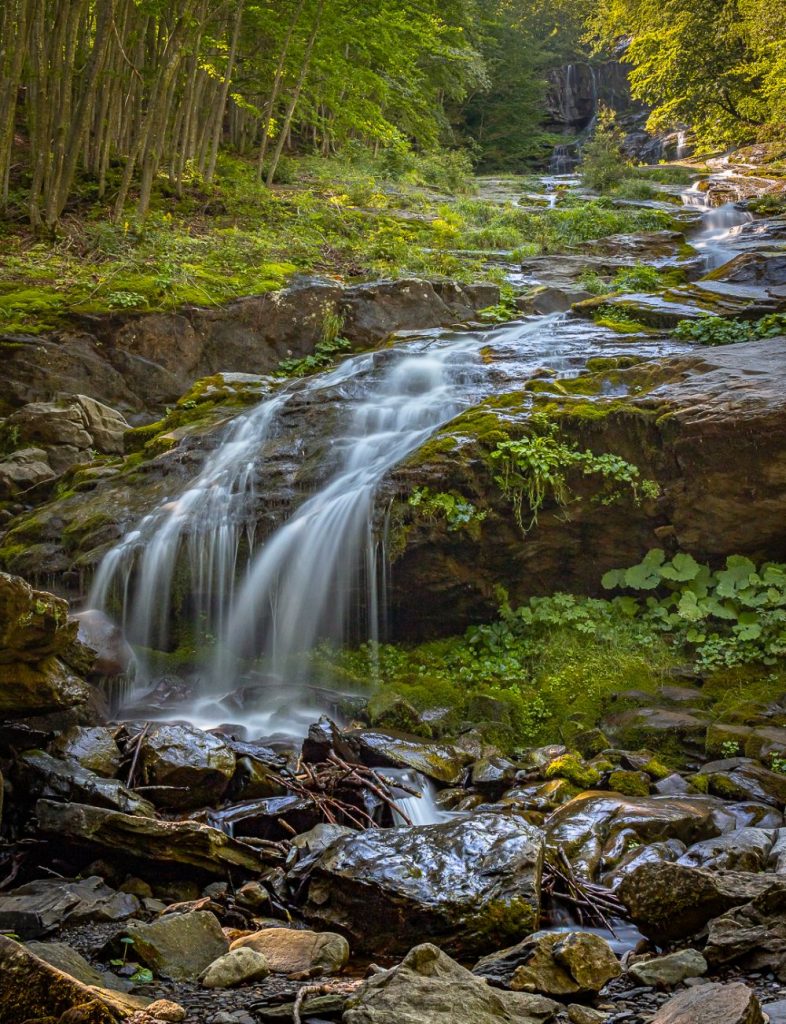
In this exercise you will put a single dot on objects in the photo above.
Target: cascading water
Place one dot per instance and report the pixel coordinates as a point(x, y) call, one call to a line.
point(719, 226)
point(320, 573)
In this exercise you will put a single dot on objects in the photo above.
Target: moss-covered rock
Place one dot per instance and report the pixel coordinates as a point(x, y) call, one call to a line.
point(571, 767)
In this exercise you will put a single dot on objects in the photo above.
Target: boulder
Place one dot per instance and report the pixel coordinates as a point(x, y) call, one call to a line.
point(596, 829)
point(235, 968)
point(746, 849)
point(33, 624)
point(181, 842)
point(290, 951)
point(668, 902)
point(742, 778)
point(470, 884)
point(47, 777)
point(113, 656)
point(427, 987)
point(754, 933)
point(653, 853)
point(668, 971)
point(31, 989)
point(42, 906)
point(720, 1004)
point(179, 946)
point(93, 747)
point(648, 727)
point(438, 761)
point(552, 963)
point(193, 768)
point(24, 469)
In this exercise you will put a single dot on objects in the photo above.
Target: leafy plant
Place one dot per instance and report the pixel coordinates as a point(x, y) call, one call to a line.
point(456, 511)
point(716, 330)
point(733, 616)
point(603, 163)
point(730, 748)
point(536, 467)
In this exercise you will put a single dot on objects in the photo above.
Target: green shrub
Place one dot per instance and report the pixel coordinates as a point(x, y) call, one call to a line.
point(716, 330)
point(603, 165)
point(455, 510)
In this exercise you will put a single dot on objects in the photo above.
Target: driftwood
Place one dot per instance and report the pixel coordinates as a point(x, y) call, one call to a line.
point(592, 904)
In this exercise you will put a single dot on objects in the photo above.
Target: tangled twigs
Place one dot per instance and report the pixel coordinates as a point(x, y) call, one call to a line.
point(592, 902)
point(337, 788)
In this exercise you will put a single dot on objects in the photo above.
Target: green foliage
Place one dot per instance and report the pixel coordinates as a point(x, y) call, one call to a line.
point(734, 616)
point(323, 357)
point(455, 510)
point(716, 330)
point(635, 189)
point(535, 468)
point(555, 666)
point(730, 748)
point(619, 319)
point(603, 165)
point(639, 278)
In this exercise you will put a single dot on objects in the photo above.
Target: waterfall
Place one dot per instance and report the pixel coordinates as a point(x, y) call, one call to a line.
point(682, 144)
point(719, 226)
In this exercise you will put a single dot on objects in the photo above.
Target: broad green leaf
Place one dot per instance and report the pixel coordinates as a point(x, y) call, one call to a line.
point(681, 568)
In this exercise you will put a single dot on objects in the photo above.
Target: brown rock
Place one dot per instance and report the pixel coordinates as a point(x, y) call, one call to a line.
point(713, 1004)
point(288, 951)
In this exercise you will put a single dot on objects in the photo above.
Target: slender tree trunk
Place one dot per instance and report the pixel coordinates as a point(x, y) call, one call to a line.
point(274, 92)
point(223, 94)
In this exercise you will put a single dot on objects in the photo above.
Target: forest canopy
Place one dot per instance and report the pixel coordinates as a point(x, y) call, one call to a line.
point(115, 93)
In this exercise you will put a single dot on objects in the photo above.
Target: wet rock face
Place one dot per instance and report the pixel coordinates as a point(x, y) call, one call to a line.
point(137, 363)
point(469, 884)
point(40, 907)
point(113, 656)
point(753, 934)
point(438, 761)
point(188, 768)
point(427, 987)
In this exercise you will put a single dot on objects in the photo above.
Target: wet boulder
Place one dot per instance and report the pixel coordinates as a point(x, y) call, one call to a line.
point(469, 884)
point(552, 963)
point(66, 959)
point(720, 1004)
point(430, 988)
point(50, 778)
point(668, 902)
point(296, 951)
point(23, 469)
point(746, 849)
point(274, 817)
point(93, 747)
point(189, 843)
point(188, 768)
point(179, 946)
point(42, 906)
point(438, 761)
point(596, 829)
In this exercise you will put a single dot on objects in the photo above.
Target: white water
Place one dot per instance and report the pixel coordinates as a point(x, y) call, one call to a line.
point(719, 228)
point(421, 809)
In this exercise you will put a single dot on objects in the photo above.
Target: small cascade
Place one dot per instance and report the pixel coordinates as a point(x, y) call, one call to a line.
point(682, 145)
point(421, 809)
point(719, 226)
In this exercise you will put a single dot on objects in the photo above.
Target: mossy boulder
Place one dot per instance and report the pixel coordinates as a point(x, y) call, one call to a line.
point(571, 767)
point(630, 783)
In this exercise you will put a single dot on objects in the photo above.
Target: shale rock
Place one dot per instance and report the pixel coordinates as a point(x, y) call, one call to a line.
point(179, 946)
point(719, 1004)
point(754, 933)
point(741, 778)
point(93, 747)
point(746, 849)
point(41, 906)
point(66, 959)
point(46, 776)
point(182, 842)
point(290, 951)
point(428, 987)
point(235, 968)
point(669, 902)
point(552, 963)
point(470, 884)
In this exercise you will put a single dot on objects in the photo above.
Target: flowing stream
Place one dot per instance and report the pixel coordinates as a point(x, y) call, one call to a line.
point(322, 573)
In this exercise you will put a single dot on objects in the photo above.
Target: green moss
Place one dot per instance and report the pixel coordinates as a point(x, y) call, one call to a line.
point(630, 783)
point(571, 767)
point(656, 769)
